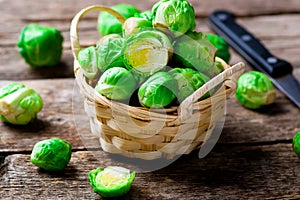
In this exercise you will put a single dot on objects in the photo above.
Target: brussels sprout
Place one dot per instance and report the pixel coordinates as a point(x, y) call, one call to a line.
point(111, 53)
point(296, 144)
point(221, 45)
point(52, 154)
point(146, 15)
point(147, 52)
point(88, 61)
point(40, 46)
point(105, 38)
point(116, 83)
point(176, 15)
point(254, 90)
point(188, 81)
point(19, 104)
point(193, 50)
point(158, 91)
point(134, 25)
point(108, 24)
point(112, 181)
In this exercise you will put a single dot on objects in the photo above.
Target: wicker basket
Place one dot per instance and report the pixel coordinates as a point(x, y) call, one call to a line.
point(148, 134)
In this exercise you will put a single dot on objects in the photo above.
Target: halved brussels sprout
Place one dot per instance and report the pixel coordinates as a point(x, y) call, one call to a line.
point(296, 144)
point(19, 104)
point(158, 91)
point(255, 90)
point(193, 50)
point(40, 46)
point(108, 24)
point(176, 15)
point(112, 181)
point(52, 154)
point(221, 45)
point(147, 52)
point(188, 81)
point(88, 61)
point(116, 83)
point(134, 25)
point(111, 53)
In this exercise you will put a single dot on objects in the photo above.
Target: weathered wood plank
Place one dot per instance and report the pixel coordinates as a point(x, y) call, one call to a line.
point(229, 172)
point(274, 123)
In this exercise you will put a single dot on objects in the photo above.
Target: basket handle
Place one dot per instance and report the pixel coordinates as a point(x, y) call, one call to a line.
point(75, 44)
point(229, 77)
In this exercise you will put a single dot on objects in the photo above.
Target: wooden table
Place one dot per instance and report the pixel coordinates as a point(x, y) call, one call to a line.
point(253, 158)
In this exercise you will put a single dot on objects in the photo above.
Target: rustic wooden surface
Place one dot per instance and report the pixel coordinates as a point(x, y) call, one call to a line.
point(253, 158)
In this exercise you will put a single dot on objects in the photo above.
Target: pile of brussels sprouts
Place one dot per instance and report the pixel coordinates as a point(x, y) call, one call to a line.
point(155, 56)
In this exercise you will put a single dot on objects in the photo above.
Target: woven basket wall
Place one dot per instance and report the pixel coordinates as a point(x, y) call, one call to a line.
point(148, 134)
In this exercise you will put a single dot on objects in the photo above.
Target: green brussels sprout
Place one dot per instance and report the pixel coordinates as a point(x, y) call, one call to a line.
point(52, 154)
point(19, 104)
point(147, 52)
point(88, 61)
point(40, 46)
point(176, 15)
point(116, 83)
point(108, 24)
point(296, 144)
point(158, 91)
point(111, 53)
point(188, 81)
point(134, 25)
point(221, 45)
point(255, 90)
point(193, 50)
point(105, 38)
point(112, 181)
point(146, 15)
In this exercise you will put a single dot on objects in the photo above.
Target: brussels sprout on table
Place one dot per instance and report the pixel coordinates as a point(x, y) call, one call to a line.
point(88, 60)
point(111, 53)
point(158, 91)
point(188, 81)
point(112, 181)
point(40, 46)
point(116, 83)
point(193, 50)
point(147, 52)
point(296, 144)
point(134, 25)
point(221, 45)
point(254, 90)
point(108, 24)
point(175, 15)
point(52, 154)
point(19, 104)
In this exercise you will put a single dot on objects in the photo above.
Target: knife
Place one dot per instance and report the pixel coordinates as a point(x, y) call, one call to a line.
point(255, 53)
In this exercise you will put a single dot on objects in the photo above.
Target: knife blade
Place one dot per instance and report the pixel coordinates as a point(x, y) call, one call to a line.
point(255, 53)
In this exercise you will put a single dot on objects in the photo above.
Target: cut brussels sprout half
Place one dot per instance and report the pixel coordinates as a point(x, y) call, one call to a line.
point(112, 181)
point(188, 81)
point(254, 90)
point(147, 52)
point(158, 91)
point(111, 53)
point(193, 50)
point(52, 154)
point(116, 83)
point(296, 144)
point(108, 24)
point(40, 46)
point(19, 104)
point(176, 15)
point(88, 61)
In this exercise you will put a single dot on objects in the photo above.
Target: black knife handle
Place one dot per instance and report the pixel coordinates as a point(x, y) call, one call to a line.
point(254, 52)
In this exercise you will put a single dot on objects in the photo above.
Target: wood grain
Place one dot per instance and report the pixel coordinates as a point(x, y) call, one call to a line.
point(231, 172)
